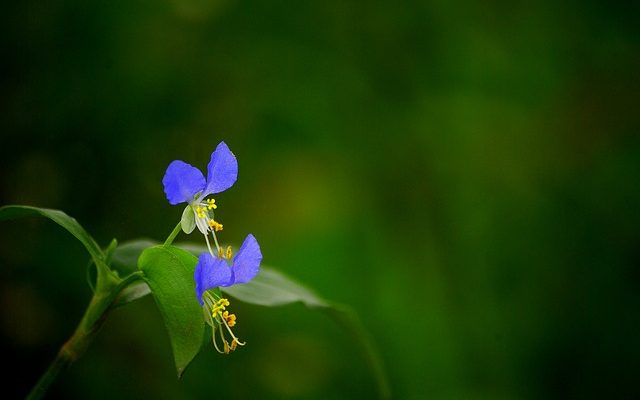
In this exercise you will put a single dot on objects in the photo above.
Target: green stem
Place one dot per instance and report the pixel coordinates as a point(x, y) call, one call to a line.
point(173, 234)
point(86, 331)
point(59, 363)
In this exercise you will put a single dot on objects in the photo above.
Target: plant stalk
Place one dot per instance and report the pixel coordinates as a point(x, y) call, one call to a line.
point(107, 290)
point(173, 234)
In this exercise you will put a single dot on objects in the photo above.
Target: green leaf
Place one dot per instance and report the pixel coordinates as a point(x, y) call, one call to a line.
point(193, 248)
point(62, 219)
point(188, 220)
point(124, 259)
point(272, 288)
point(134, 291)
point(168, 271)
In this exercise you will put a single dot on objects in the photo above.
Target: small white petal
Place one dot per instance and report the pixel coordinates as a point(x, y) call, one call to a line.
point(188, 220)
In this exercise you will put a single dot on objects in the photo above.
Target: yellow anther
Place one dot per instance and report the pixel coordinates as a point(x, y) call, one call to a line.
point(201, 212)
point(234, 344)
point(215, 226)
point(220, 306)
point(211, 204)
point(229, 253)
point(226, 347)
point(220, 254)
point(229, 318)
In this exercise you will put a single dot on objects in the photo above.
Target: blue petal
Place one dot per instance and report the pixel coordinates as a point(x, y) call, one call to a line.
point(246, 263)
point(181, 182)
point(210, 273)
point(222, 170)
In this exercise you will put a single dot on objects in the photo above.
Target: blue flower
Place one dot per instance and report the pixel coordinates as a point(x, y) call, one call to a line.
point(184, 183)
point(213, 272)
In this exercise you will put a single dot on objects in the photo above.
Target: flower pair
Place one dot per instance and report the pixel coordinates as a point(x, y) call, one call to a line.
point(184, 183)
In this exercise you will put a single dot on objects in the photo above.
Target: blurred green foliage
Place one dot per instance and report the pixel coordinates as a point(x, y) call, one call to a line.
point(464, 174)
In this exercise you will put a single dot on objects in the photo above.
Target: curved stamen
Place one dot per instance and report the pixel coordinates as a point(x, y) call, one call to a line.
point(209, 245)
point(213, 339)
point(224, 342)
point(231, 333)
point(215, 239)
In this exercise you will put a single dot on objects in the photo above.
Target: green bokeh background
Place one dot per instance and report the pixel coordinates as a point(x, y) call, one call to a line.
point(464, 175)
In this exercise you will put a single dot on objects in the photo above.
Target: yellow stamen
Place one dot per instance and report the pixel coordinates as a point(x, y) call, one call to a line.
point(201, 212)
point(219, 306)
point(211, 204)
point(230, 318)
point(223, 319)
point(229, 253)
point(215, 225)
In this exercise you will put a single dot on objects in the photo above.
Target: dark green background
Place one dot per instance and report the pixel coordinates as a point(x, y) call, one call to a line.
point(465, 175)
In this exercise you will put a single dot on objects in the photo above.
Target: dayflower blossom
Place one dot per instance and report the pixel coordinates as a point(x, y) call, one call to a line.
point(215, 271)
point(184, 183)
